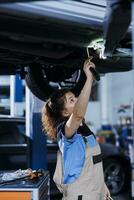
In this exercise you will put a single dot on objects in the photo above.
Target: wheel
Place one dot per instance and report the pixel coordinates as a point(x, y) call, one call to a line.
point(115, 11)
point(115, 176)
point(42, 80)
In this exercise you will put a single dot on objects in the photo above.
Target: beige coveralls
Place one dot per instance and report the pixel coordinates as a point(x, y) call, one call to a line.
point(90, 184)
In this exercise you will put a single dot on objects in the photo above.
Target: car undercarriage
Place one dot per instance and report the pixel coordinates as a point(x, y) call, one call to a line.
point(50, 38)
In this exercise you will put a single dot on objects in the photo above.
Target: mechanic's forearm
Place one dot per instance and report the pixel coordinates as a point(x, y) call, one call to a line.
point(83, 99)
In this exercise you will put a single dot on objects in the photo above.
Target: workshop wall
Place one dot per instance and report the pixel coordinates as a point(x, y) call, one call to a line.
point(119, 92)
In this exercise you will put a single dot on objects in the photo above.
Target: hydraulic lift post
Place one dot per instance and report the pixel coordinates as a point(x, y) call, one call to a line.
point(38, 148)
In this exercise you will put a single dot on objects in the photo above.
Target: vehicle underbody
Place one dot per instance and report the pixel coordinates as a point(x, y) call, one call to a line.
point(53, 43)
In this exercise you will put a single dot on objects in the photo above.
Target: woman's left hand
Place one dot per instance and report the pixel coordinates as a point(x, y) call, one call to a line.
point(107, 192)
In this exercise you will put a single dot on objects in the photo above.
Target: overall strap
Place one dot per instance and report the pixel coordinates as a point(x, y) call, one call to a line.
point(85, 139)
point(96, 158)
point(80, 197)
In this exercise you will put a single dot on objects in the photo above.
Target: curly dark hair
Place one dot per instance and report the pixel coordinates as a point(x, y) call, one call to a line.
point(52, 113)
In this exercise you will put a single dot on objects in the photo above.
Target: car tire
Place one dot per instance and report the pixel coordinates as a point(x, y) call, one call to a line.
point(115, 176)
point(39, 86)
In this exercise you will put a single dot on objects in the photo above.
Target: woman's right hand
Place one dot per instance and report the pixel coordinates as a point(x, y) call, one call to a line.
point(86, 68)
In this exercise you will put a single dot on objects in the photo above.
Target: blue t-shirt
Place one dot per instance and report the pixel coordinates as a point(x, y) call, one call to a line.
point(73, 152)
